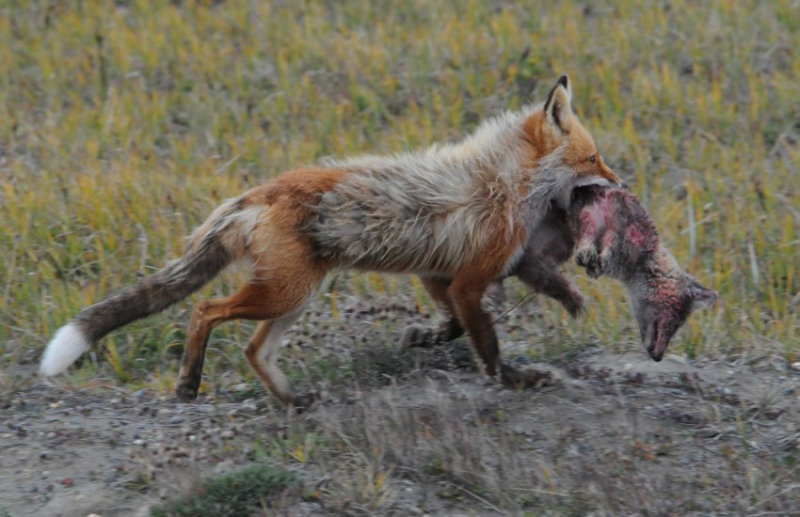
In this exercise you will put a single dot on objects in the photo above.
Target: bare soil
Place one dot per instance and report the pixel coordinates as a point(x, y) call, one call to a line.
point(617, 434)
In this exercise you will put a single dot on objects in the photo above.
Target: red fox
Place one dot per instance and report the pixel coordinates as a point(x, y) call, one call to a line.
point(615, 237)
point(458, 216)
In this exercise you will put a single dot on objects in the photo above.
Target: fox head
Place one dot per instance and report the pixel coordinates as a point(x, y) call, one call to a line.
point(556, 133)
point(663, 304)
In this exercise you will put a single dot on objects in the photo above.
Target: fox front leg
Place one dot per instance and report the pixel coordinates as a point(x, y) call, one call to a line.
point(424, 336)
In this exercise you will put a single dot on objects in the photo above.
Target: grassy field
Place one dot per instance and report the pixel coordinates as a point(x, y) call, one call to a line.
point(123, 124)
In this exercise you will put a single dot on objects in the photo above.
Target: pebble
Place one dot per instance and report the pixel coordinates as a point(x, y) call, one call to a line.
point(175, 420)
point(796, 366)
point(679, 359)
point(139, 442)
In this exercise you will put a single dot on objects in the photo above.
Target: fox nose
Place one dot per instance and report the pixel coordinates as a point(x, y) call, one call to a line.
point(623, 185)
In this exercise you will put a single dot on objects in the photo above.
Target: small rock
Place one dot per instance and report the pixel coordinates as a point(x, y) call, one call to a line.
point(67, 482)
point(796, 366)
point(139, 442)
point(175, 420)
point(679, 359)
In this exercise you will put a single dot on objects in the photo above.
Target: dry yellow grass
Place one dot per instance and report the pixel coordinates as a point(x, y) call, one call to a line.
point(122, 124)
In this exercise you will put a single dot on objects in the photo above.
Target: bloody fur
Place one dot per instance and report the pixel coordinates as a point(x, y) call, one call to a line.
point(617, 238)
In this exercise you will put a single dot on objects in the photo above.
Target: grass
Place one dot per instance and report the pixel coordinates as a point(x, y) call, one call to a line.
point(126, 123)
point(232, 495)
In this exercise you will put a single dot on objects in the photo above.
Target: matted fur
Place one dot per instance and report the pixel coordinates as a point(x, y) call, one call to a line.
point(433, 211)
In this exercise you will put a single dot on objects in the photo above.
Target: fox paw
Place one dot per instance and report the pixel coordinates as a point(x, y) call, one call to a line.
point(186, 392)
point(416, 336)
point(515, 379)
point(305, 402)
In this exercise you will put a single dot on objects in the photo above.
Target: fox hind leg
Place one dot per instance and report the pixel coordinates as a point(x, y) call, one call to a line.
point(262, 354)
point(277, 301)
point(205, 316)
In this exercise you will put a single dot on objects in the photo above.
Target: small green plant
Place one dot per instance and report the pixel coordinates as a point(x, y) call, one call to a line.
point(232, 495)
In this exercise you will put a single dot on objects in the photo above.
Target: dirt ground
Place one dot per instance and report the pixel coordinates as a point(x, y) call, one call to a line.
point(617, 434)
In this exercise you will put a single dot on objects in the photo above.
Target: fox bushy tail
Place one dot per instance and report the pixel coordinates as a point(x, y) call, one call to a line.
point(217, 243)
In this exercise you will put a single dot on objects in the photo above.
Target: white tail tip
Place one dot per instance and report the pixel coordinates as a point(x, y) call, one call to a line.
point(65, 347)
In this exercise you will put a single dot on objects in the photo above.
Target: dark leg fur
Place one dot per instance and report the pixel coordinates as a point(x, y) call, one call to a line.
point(424, 336)
point(540, 276)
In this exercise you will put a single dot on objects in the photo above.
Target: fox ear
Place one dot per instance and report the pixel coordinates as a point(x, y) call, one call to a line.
point(557, 108)
point(701, 297)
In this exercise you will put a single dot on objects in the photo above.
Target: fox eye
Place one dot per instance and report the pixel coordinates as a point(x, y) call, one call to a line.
point(592, 159)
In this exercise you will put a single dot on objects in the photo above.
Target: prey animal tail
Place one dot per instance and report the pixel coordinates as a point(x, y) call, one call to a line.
point(219, 241)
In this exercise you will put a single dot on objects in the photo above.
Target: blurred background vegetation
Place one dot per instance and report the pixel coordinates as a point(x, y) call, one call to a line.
point(122, 124)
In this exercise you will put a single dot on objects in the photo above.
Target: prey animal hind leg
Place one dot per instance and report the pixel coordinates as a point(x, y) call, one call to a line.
point(540, 275)
point(450, 329)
